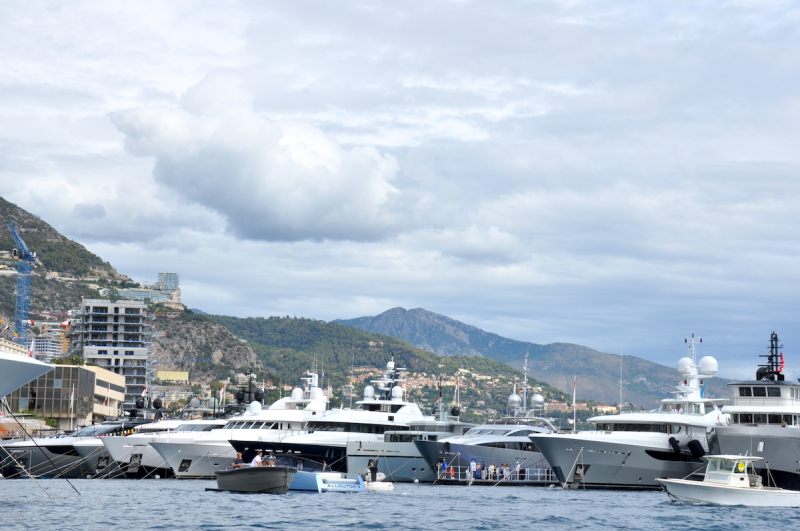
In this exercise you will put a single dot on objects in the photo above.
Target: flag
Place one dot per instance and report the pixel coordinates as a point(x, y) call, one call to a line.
point(144, 391)
point(780, 367)
point(30, 350)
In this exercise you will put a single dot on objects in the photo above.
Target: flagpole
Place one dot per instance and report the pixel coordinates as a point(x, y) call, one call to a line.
point(574, 409)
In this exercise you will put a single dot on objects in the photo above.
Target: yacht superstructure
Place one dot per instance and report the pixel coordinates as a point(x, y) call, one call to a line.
point(631, 450)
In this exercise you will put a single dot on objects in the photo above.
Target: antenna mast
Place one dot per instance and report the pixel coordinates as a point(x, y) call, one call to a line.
point(525, 382)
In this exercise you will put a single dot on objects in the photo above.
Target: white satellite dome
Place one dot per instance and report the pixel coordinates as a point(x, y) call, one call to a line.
point(514, 400)
point(390, 365)
point(397, 393)
point(316, 393)
point(708, 365)
point(685, 365)
point(297, 394)
point(537, 401)
point(369, 391)
point(254, 407)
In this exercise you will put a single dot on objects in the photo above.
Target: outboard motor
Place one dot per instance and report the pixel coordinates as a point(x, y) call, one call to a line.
point(696, 449)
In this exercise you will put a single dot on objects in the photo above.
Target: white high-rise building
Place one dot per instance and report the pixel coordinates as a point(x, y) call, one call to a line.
point(112, 335)
point(168, 281)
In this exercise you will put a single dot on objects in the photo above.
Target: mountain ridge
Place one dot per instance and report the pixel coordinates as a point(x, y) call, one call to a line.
point(597, 374)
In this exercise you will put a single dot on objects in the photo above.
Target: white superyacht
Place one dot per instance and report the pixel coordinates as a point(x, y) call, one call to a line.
point(631, 450)
point(324, 444)
point(196, 456)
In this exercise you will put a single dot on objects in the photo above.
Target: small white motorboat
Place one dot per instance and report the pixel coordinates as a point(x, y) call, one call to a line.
point(730, 480)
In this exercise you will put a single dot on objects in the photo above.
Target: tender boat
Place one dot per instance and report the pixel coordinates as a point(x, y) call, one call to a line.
point(256, 479)
point(730, 480)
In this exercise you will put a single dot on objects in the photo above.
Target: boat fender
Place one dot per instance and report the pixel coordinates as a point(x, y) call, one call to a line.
point(696, 448)
point(675, 446)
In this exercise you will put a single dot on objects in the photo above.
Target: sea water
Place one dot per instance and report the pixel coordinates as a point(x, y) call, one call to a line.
point(183, 504)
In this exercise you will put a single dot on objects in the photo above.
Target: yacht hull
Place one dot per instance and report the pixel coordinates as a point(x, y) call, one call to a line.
point(195, 461)
point(400, 462)
point(779, 446)
point(586, 463)
point(54, 461)
point(533, 465)
point(702, 492)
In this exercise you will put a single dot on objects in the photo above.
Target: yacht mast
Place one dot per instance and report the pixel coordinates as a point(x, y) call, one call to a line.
point(525, 382)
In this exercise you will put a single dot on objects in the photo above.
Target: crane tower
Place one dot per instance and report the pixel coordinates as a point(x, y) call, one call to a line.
point(25, 260)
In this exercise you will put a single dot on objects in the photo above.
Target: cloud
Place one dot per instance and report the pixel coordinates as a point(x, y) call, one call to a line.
point(612, 174)
point(271, 180)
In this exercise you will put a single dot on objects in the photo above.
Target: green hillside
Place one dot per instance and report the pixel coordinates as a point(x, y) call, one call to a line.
point(289, 346)
point(54, 251)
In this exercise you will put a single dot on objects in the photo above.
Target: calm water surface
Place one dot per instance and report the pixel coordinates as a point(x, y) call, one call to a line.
point(173, 504)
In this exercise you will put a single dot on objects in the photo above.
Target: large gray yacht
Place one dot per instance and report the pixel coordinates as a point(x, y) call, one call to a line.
point(765, 421)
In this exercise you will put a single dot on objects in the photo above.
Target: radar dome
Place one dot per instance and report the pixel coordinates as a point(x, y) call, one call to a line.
point(316, 393)
point(514, 400)
point(537, 401)
point(685, 365)
point(254, 407)
point(708, 365)
point(369, 391)
point(397, 393)
point(297, 394)
point(390, 365)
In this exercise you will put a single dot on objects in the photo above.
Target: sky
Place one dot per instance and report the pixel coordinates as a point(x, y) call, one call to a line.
point(618, 175)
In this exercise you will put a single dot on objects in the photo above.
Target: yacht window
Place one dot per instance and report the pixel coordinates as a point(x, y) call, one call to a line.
point(746, 418)
point(520, 433)
point(759, 391)
point(674, 428)
point(735, 418)
point(773, 391)
point(745, 391)
point(774, 419)
point(788, 420)
point(760, 418)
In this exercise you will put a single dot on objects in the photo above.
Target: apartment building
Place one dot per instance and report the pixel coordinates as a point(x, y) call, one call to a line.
point(112, 335)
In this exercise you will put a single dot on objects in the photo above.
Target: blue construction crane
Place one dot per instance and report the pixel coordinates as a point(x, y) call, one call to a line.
point(25, 260)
